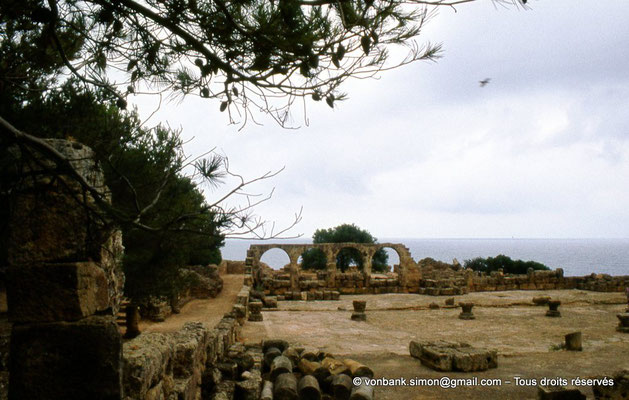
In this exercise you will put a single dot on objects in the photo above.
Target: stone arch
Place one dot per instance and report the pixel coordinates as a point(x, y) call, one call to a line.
point(392, 263)
point(358, 250)
point(274, 252)
point(407, 265)
point(318, 249)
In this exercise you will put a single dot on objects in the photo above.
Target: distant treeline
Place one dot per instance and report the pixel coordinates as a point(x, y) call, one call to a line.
point(508, 265)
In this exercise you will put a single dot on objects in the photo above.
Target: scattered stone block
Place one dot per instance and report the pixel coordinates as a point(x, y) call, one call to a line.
point(359, 316)
point(313, 368)
point(574, 341)
point(451, 356)
point(362, 392)
point(270, 355)
point(341, 386)
point(466, 311)
point(623, 324)
point(559, 393)
point(618, 391)
point(541, 301)
point(270, 302)
point(359, 310)
point(248, 389)
point(358, 369)
point(285, 387)
point(255, 311)
point(434, 306)
point(359, 305)
point(553, 308)
point(336, 367)
point(280, 344)
point(280, 365)
point(450, 301)
point(310, 354)
point(267, 391)
point(308, 388)
point(293, 354)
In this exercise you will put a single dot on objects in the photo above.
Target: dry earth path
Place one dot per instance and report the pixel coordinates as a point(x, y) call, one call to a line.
point(207, 311)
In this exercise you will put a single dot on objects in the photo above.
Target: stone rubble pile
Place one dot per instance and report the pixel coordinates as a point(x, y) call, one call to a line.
point(300, 373)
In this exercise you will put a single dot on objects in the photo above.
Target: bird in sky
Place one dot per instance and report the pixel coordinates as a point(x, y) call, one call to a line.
point(484, 82)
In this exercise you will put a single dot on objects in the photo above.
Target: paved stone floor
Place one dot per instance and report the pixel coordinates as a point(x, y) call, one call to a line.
point(525, 338)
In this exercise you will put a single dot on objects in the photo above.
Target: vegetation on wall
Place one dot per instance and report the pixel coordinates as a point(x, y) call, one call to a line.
point(503, 262)
point(346, 233)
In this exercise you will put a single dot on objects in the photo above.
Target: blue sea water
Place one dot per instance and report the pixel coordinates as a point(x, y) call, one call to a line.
point(576, 256)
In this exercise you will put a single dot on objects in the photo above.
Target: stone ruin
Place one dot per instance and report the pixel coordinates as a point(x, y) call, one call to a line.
point(64, 283)
point(453, 356)
point(301, 372)
point(404, 278)
point(426, 276)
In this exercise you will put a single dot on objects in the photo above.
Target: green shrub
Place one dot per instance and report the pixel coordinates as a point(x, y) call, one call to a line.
point(508, 265)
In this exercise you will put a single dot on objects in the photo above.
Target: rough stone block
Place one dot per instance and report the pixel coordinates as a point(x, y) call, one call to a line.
point(559, 393)
point(147, 360)
point(618, 391)
point(46, 222)
point(190, 349)
point(250, 388)
point(449, 356)
point(224, 391)
point(188, 388)
point(56, 292)
point(66, 360)
point(468, 359)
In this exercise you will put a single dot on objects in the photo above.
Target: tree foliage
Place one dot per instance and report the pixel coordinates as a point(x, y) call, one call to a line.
point(245, 53)
point(345, 233)
point(508, 265)
point(138, 164)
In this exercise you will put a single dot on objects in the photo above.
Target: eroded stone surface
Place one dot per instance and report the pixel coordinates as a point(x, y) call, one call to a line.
point(618, 391)
point(453, 356)
point(56, 292)
point(86, 353)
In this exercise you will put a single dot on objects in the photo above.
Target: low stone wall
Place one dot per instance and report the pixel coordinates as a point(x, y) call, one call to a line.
point(232, 267)
point(437, 281)
point(548, 280)
point(183, 364)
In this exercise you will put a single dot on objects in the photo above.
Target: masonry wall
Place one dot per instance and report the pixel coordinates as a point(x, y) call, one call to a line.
point(549, 280)
point(64, 281)
point(435, 280)
point(184, 364)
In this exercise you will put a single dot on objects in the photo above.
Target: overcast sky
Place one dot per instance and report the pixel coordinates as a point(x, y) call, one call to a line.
point(425, 152)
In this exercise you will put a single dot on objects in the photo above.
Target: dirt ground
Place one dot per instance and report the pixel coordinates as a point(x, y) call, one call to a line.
point(208, 311)
point(506, 321)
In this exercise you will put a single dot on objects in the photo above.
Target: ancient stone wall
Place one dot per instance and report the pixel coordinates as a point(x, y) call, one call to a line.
point(426, 276)
point(405, 279)
point(547, 280)
point(183, 364)
point(64, 283)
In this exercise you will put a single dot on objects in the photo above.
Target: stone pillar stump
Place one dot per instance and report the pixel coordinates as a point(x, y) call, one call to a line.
point(359, 310)
point(553, 308)
point(466, 311)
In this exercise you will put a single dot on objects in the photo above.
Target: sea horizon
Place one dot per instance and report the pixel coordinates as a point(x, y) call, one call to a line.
point(576, 256)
